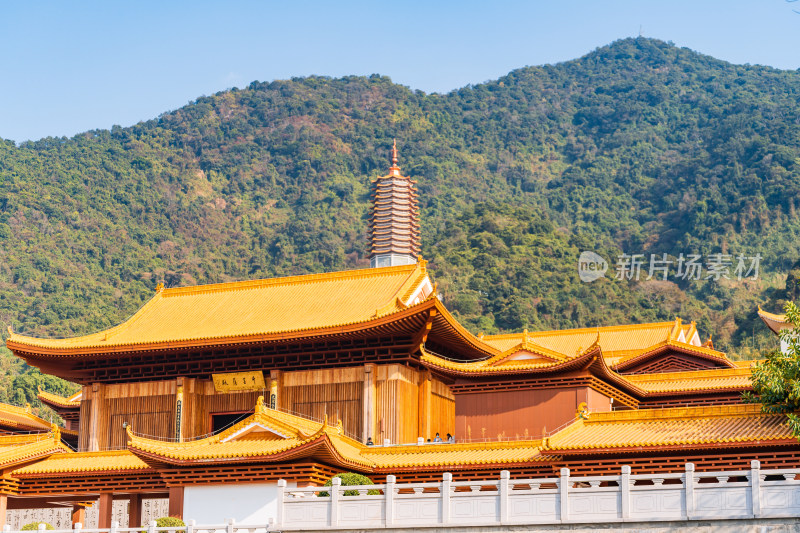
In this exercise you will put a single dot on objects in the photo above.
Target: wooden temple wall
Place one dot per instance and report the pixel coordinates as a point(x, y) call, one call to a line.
point(392, 402)
point(335, 392)
point(148, 407)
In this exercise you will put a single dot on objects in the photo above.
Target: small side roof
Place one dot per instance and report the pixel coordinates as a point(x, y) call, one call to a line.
point(737, 378)
point(84, 462)
point(60, 402)
point(22, 419)
point(616, 340)
point(21, 449)
point(678, 427)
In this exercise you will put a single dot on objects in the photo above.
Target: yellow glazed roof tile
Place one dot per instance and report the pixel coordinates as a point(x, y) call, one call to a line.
point(445, 454)
point(680, 426)
point(16, 449)
point(22, 418)
point(72, 401)
point(252, 308)
point(619, 362)
point(121, 460)
point(722, 378)
point(625, 338)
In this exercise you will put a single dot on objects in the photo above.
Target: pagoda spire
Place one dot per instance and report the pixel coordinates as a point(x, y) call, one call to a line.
point(394, 170)
point(394, 222)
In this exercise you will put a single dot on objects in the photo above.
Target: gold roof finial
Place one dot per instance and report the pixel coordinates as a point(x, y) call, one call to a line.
point(394, 170)
point(260, 407)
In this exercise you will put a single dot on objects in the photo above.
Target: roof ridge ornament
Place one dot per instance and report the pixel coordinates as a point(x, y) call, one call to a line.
point(260, 407)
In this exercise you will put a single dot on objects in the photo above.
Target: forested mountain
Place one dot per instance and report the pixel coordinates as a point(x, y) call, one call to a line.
point(637, 147)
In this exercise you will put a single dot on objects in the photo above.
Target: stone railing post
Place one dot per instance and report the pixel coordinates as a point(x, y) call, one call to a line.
point(7, 527)
point(755, 487)
point(688, 490)
point(43, 527)
point(78, 526)
point(336, 493)
point(502, 492)
point(563, 491)
point(190, 526)
point(446, 490)
point(625, 492)
point(388, 493)
point(281, 497)
point(113, 529)
point(230, 525)
point(151, 527)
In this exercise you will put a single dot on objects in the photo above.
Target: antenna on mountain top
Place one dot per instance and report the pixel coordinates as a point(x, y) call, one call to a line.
point(640, 30)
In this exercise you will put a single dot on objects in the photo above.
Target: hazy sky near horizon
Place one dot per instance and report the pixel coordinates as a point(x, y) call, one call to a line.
point(69, 67)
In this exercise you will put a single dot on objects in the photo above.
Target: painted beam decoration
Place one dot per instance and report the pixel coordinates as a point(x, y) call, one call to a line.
point(239, 381)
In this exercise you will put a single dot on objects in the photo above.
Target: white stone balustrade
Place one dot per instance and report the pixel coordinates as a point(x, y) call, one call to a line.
point(685, 496)
point(688, 495)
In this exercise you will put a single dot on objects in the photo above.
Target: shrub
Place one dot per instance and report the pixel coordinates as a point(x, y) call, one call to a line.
point(34, 526)
point(350, 479)
point(169, 521)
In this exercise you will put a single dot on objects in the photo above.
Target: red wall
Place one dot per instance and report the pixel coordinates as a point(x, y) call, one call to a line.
point(513, 414)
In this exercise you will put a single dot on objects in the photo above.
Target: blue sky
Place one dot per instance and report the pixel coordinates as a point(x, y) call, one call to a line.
point(68, 67)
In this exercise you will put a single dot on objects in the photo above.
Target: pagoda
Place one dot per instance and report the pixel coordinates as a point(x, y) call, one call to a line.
point(394, 224)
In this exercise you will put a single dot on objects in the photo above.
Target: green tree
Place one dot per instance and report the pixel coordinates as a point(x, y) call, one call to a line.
point(776, 380)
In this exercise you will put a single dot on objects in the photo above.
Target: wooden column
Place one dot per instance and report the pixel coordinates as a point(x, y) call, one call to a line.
point(275, 387)
point(135, 511)
point(424, 415)
point(176, 502)
point(95, 440)
point(368, 401)
point(78, 515)
point(104, 508)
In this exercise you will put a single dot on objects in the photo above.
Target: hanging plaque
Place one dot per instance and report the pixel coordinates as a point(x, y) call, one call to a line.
point(239, 381)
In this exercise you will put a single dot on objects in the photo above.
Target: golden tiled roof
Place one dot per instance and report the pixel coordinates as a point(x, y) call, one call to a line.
point(90, 462)
point(72, 401)
point(251, 309)
point(492, 365)
point(22, 418)
point(614, 339)
point(445, 454)
point(718, 378)
point(17, 449)
point(703, 351)
point(671, 427)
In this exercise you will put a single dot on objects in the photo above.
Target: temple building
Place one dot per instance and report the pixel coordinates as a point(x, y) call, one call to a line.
point(209, 389)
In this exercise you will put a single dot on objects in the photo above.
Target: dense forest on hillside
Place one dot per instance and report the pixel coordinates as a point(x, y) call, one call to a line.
point(637, 147)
